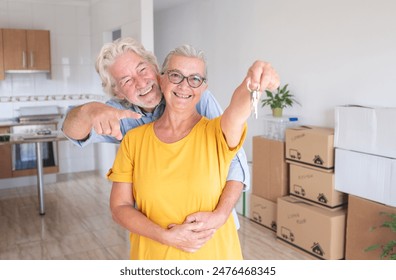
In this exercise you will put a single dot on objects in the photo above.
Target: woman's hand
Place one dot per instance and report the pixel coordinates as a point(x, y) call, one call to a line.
point(262, 76)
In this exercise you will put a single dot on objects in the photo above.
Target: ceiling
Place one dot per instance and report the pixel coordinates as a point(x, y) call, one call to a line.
point(158, 4)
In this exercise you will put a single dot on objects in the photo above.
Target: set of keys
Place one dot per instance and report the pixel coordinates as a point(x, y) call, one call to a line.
point(255, 98)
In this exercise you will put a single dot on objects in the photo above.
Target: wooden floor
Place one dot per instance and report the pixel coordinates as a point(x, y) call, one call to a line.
point(78, 225)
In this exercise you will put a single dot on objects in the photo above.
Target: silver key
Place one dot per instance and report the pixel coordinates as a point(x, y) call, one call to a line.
point(255, 98)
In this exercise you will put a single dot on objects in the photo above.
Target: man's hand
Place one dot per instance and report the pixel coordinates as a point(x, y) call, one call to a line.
point(189, 237)
point(106, 119)
point(103, 118)
point(209, 220)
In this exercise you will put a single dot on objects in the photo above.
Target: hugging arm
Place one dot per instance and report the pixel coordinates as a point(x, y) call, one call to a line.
point(187, 237)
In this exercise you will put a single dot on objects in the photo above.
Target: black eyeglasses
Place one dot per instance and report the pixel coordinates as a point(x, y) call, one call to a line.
point(175, 77)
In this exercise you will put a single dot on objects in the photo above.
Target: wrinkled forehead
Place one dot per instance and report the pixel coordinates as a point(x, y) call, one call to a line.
point(187, 65)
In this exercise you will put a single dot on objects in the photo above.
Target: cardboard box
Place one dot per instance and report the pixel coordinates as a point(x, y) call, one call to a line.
point(263, 211)
point(316, 230)
point(315, 185)
point(366, 129)
point(297, 249)
point(270, 173)
point(312, 145)
point(367, 176)
point(362, 216)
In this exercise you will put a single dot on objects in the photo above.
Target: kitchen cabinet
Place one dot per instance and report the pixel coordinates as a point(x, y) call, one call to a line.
point(26, 51)
point(5, 163)
point(1, 56)
point(6, 157)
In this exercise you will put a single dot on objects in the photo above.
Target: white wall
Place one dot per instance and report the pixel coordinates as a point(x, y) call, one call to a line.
point(78, 31)
point(330, 52)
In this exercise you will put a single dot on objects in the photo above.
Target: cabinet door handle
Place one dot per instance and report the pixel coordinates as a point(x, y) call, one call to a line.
point(31, 59)
point(23, 59)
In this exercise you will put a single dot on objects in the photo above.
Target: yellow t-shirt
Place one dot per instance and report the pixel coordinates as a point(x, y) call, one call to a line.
point(172, 181)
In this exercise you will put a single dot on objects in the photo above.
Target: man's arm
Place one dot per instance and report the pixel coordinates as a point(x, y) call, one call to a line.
point(103, 118)
point(76, 124)
point(214, 220)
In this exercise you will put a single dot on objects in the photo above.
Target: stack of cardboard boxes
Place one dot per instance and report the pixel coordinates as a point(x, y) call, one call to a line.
point(365, 149)
point(293, 191)
point(313, 217)
point(269, 170)
point(322, 190)
point(269, 180)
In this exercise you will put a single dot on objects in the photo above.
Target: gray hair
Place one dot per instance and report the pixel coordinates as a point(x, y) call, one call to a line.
point(188, 51)
point(111, 51)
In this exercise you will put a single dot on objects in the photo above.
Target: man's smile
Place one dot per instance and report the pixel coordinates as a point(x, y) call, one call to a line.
point(146, 91)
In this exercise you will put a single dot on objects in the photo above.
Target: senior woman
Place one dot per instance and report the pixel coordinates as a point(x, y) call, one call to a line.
point(188, 160)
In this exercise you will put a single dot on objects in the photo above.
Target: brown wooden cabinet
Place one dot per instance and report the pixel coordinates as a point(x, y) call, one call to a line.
point(1, 56)
point(5, 162)
point(26, 50)
point(6, 157)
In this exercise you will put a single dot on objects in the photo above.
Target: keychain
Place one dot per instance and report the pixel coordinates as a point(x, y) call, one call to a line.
point(255, 98)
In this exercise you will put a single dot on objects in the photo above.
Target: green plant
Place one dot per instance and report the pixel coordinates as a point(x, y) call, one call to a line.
point(388, 249)
point(282, 98)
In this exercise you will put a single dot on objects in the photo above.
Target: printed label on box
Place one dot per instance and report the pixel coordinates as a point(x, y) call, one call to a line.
point(311, 145)
point(314, 229)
